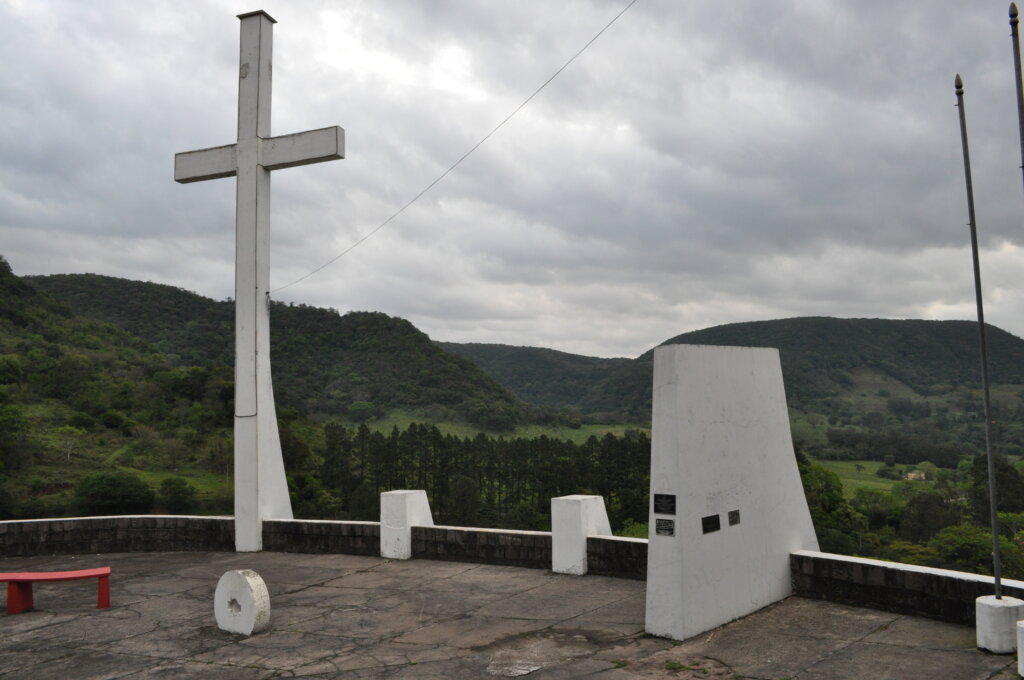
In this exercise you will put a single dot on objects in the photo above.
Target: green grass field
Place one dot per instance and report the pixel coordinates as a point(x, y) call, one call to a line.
point(206, 484)
point(857, 474)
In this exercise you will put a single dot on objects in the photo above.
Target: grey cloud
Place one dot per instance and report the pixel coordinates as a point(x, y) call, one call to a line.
point(701, 163)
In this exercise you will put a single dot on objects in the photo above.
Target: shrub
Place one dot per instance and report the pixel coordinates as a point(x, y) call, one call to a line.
point(969, 548)
point(465, 502)
point(113, 493)
point(364, 505)
point(177, 496)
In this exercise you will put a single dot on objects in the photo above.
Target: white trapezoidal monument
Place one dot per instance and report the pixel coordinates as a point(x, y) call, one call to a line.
point(727, 506)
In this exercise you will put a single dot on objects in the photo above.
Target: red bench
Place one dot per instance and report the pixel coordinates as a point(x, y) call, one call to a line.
point(19, 586)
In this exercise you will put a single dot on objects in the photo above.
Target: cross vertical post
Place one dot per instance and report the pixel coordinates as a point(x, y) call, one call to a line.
point(261, 489)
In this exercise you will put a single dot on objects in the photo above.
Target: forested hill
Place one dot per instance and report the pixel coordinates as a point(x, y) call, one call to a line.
point(358, 365)
point(544, 377)
point(824, 362)
point(819, 353)
point(859, 373)
point(77, 393)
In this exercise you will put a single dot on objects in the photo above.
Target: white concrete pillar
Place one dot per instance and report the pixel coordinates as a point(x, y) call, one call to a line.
point(727, 506)
point(996, 622)
point(400, 511)
point(573, 518)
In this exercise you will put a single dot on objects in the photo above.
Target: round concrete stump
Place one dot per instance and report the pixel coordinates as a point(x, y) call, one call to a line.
point(241, 602)
point(996, 621)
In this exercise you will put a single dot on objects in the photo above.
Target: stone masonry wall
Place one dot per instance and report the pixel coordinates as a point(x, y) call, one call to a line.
point(322, 536)
point(141, 533)
point(922, 591)
point(172, 533)
point(613, 556)
point(489, 546)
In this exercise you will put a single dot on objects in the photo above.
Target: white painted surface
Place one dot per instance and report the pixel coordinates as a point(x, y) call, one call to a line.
point(1020, 646)
point(241, 602)
point(400, 511)
point(261, 490)
point(145, 517)
point(945, 573)
point(204, 164)
point(303, 148)
point(484, 530)
point(573, 518)
point(996, 623)
point(721, 442)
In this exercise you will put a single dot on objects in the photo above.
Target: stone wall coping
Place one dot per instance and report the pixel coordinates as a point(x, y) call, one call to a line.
point(485, 530)
point(934, 571)
point(91, 517)
point(323, 521)
point(624, 539)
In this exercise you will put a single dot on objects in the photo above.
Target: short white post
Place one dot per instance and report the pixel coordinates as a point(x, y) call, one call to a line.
point(400, 511)
point(996, 621)
point(573, 518)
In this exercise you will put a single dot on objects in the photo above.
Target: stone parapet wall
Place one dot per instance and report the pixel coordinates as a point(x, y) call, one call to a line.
point(617, 556)
point(606, 555)
point(937, 593)
point(488, 546)
point(321, 536)
point(137, 533)
point(922, 591)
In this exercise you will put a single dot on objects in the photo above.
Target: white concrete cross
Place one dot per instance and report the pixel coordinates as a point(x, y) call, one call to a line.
point(261, 490)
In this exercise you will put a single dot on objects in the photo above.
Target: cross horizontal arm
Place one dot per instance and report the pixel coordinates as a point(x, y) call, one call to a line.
point(213, 163)
point(303, 148)
point(286, 151)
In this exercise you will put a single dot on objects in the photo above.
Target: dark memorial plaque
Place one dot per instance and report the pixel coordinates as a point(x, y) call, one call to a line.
point(664, 504)
point(734, 517)
point(665, 527)
point(711, 523)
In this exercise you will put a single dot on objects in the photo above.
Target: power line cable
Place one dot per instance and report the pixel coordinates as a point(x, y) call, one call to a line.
point(464, 156)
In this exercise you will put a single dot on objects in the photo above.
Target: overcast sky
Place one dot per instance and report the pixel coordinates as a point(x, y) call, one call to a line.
point(701, 163)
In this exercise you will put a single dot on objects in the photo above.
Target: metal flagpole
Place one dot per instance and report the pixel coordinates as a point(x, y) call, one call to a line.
point(996, 561)
point(1019, 82)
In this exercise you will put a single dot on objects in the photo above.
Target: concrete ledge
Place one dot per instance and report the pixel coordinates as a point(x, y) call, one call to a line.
point(905, 588)
point(125, 533)
point(617, 556)
point(321, 536)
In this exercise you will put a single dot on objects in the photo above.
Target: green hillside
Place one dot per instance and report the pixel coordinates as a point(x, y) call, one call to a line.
point(890, 410)
point(94, 420)
point(820, 354)
point(78, 396)
point(358, 365)
point(855, 387)
point(543, 377)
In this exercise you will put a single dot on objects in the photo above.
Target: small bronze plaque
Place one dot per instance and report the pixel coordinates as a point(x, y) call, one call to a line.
point(711, 523)
point(664, 504)
point(665, 527)
point(734, 517)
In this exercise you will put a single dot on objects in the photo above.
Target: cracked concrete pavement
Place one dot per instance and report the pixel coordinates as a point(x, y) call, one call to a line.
point(350, 616)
